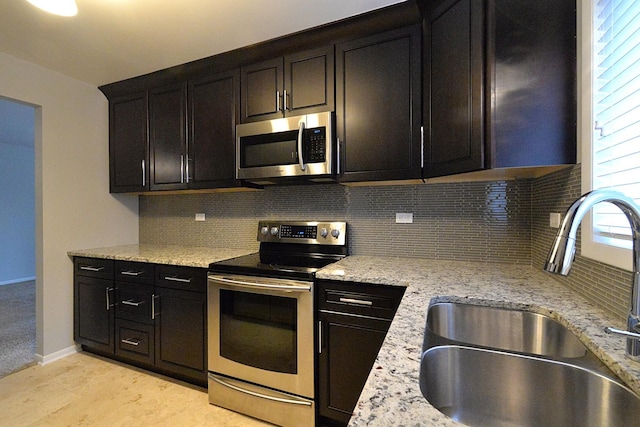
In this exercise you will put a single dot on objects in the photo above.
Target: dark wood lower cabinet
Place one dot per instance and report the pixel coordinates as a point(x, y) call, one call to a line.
point(353, 320)
point(149, 315)
point(180, 333)
point(350, 346)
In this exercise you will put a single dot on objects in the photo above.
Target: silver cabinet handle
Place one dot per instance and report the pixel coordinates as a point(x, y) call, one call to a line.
point(133, 303)
point(338, 156)
point(153, 306)
point(130, 341)
point(144, 175)
point(421, 147)
point(107, 290)
point(278, 101)
point(90, 268)
point(177, 279)
point(300, 158)
point(132, 273)
point(186, 167)
point(181, 168)
point(356, 301)
point(284, 100)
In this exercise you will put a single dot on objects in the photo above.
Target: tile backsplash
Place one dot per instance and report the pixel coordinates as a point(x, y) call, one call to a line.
point(495, 221)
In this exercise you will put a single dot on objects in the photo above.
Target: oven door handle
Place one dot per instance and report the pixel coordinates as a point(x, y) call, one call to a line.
point(260, 395)
point(293, 287)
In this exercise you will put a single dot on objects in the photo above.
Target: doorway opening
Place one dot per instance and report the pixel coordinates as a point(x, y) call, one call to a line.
point(17, 236)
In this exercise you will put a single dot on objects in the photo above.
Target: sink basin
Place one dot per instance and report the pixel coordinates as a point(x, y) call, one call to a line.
point(482, 387)
point(504, 329)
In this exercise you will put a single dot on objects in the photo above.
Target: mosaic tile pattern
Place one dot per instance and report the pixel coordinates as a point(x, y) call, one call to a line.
point(500, 221)
point(487, 222)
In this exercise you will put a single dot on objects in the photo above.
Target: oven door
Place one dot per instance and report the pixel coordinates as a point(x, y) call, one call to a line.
point(261, 331)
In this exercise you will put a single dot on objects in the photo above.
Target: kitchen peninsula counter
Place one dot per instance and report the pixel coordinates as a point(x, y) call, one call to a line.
point(186, 256)
point(392, 394)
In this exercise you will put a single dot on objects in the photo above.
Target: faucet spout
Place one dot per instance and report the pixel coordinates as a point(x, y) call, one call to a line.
point(562, 251)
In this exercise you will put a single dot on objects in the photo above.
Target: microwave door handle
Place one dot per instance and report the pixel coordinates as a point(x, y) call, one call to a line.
point(300, 159)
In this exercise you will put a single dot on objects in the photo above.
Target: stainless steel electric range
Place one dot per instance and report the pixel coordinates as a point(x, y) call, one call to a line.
point(261, 327)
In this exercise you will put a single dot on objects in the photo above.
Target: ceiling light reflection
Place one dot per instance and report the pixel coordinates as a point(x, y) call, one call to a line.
point(57, 7)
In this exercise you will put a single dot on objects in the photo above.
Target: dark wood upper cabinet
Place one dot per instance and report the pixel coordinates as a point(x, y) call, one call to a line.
point(214, 104)
point(128, 143)
point(453, 87)
point(378, 106)
point(296, 84)
point(499, 84)
point(167, 134)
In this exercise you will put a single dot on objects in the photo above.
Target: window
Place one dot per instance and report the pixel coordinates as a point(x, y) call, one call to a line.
point(611, 121)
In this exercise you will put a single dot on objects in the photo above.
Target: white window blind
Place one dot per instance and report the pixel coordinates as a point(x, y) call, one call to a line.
point(616, 109)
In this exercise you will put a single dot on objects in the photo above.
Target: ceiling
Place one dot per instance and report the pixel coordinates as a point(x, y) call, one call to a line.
point(112, 40)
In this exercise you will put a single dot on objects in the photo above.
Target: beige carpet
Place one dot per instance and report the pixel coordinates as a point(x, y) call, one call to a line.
point(17, 326)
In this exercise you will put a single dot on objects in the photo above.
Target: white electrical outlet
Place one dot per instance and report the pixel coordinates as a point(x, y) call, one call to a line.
point(555, 219)
point(404, 218)
point(200, 217)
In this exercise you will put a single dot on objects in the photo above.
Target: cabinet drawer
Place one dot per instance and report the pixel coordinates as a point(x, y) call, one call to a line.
point(94, 267)
point(370, 300)
point(183, 278)
point(134, 302)
point(136, 272)
point(135, 341)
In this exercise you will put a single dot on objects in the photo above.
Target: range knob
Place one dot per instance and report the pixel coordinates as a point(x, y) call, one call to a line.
point(264, 230)
point(335, 233)
point(274, 231)
point(324, 232)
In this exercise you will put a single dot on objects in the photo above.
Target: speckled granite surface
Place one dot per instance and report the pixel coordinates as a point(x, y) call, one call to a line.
point(391, 396)
point(163, 254)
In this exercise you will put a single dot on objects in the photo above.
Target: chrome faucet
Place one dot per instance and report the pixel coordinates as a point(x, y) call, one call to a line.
point(563, 250)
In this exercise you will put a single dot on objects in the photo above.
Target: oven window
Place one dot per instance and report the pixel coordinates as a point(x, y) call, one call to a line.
point(259, 330)
point(274, 149)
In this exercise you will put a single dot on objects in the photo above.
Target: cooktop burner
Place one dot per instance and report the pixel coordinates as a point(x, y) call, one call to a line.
point(293, 249)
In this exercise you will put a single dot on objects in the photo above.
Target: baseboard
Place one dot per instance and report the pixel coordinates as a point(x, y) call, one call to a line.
point(11, 282)
point(44, 360)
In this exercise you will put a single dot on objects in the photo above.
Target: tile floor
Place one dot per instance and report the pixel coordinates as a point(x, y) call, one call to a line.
point(87, 390)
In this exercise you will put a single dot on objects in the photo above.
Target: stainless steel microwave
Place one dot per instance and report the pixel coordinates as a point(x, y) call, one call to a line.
point(300, 147)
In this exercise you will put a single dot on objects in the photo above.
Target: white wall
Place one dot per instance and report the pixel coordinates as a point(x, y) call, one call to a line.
point(74, 209)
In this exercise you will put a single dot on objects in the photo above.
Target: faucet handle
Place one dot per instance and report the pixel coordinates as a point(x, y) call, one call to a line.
point(628, 334)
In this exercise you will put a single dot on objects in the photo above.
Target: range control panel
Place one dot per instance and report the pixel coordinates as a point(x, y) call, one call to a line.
point(308, 232)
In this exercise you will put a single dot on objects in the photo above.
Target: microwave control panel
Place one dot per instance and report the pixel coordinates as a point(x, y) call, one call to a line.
point(316, 145)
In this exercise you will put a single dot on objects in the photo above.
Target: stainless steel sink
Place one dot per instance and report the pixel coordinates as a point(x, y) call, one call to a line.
point(504, 329)
point(482, 387)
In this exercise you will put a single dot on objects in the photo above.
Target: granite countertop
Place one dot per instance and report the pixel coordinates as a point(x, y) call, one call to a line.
point(391, 396)
point(187, 256)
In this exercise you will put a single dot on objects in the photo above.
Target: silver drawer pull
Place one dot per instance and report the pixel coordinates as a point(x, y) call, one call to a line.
point(132, 273)
point(131, 341)
point(90, 268)
point(177, 279)
point(356, 301)
point(133, 303)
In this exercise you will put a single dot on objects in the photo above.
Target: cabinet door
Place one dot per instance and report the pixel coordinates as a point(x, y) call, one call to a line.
point(128, 144)
point(378, 106)
point(309, 82)
point(94, 313)
point(349, 346)
point(532, 71)
point(180, 328)
point(453, 85)
point(213, 110)
point(262, 90)
point(167, 128)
